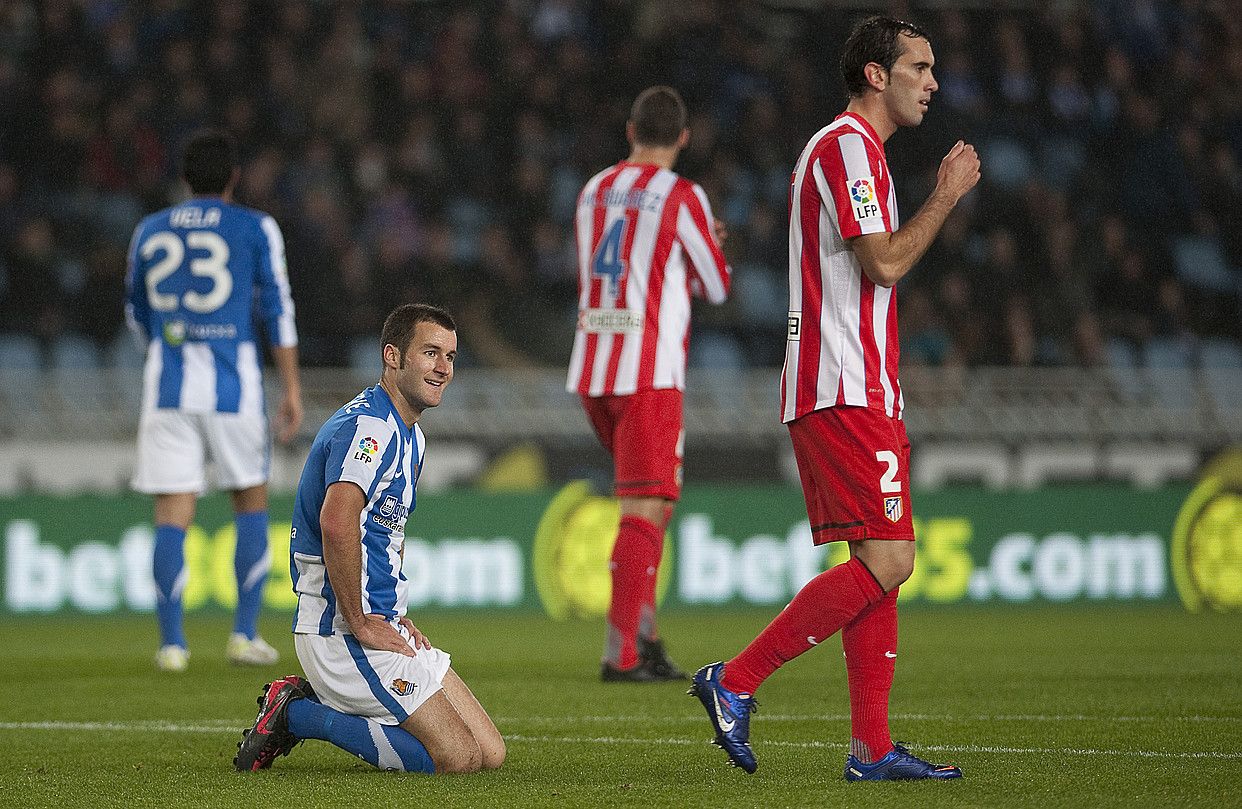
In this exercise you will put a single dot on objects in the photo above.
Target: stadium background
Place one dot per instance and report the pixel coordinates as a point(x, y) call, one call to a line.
point(1071, 361)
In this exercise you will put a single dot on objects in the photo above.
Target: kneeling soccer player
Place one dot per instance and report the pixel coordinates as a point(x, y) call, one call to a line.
point(374, 685)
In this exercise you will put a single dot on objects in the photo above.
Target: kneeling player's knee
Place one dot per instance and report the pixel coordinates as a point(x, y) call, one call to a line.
point(493, 753)
point(466, 758)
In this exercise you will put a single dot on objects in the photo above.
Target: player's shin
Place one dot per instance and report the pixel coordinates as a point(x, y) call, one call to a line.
point(251, 563)
point(870, 644)
point(168, 567)
point(387, 747)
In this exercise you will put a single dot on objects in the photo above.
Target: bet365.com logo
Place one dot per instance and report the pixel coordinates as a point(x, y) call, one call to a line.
point(573, 545)
point(1207, 540)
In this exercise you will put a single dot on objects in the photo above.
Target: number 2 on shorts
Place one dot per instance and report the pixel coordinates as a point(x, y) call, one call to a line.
point(888, 481)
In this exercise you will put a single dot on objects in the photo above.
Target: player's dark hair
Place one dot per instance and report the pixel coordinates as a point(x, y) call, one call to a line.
point(208, 161)
point(400, 324)
point(659, 116)
point(875, 39)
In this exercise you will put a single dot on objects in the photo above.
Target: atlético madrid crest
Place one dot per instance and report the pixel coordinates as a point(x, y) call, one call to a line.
point(892, 509)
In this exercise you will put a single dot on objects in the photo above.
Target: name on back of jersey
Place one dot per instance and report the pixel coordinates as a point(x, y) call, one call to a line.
point(190, 216)
point(637, 198)
point(609, 321)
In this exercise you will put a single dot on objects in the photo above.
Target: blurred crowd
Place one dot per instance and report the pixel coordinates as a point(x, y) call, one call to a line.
point(433, 151)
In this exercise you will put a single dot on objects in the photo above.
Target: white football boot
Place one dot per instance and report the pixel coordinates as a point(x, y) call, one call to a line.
point(172, 658)
point(243, 651)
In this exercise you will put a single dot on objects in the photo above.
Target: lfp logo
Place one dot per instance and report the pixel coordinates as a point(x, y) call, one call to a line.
point(367, 448)
point(862, 195)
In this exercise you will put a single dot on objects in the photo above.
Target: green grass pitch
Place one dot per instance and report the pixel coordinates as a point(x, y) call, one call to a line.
point(1046, 707)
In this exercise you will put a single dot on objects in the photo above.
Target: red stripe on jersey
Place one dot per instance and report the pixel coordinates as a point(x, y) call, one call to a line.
point(871, 352)
point(597, 233)
point(627, 248)
point(655, 291)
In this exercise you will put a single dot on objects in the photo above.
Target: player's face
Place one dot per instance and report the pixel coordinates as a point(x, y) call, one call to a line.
point(427, 366)
point(910, 82)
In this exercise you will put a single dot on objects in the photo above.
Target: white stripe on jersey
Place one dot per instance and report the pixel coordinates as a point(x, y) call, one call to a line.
point(288, 333)
point(198, 379)
point(250, 377)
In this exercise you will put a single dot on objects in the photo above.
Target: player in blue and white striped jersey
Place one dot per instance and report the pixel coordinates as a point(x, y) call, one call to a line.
point(381, 690)
point(200, 274)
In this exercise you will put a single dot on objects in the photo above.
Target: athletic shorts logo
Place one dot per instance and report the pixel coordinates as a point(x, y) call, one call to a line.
point(367, 448)
point(863, 199)
point(402, 688)
point(892, 509)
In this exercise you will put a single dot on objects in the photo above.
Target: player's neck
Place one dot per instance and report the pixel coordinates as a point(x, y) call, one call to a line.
point(662, 156)
point(871, 109)
point(405, 410)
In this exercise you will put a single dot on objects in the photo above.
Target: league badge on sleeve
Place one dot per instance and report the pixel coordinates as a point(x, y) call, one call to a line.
point(892, 509)
point(864, 200)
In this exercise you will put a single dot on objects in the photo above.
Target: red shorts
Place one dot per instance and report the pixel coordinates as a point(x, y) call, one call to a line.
point(855, 468)
point(643, 432)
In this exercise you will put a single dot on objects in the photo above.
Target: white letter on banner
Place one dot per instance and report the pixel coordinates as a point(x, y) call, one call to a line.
point(34, 574)
point(93, 568)
point(1008, 556)
point(137, 546)
point(1059, 567)
point(704, 562)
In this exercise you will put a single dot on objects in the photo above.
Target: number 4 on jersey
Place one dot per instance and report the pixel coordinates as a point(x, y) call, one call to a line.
point(608, 262)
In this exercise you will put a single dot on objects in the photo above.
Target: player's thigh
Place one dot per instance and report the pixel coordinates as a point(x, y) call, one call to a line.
point(853, 462)
point(649, 441)
point(491, 743)
point(239, 445)
point(443, 731)
point(170, 455)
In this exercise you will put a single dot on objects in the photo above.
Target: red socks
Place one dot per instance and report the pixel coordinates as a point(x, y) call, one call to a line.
point(635, 560)
point(825, 605)
point(870, 643)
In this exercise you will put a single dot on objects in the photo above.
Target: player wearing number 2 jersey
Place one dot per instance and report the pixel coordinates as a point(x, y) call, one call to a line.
point(198, 273)
point(842, 401)
point(646, 242)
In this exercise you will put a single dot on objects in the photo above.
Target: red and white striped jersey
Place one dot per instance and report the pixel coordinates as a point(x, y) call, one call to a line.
point(645, 243)
point(841, 344)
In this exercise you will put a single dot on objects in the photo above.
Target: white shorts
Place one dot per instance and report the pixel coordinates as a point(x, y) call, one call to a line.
point(380, 685)
point(174, 448)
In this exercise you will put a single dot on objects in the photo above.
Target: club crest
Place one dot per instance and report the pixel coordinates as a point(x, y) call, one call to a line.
point(892, 509)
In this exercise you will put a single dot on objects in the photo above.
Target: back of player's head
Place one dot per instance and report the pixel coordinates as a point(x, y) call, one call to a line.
point(208, 162)
point(659, 116)
point(401, 322)
point(875, 39)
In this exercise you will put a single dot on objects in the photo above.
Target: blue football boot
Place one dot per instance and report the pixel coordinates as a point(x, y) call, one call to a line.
point(729, 713)
point(898, 765)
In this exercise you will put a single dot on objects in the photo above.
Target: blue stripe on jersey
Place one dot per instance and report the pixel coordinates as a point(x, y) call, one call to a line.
point(171, 376)
point(372, 679)
point(228, 381)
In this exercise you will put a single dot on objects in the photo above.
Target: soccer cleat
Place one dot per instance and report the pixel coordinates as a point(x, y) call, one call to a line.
point(242, 651)
point(269, 737)
point(729, 713)
point(641, 673)
point(898, 765)
point(652, 652)
point(172, 658)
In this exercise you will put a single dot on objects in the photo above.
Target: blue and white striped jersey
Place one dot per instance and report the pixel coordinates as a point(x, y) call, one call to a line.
point(367, 443)
point(200, 273)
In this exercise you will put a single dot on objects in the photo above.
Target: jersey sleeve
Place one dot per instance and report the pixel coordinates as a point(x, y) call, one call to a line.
point(847, 172)
point(357, 452)
point(710, 274)
point(275, 297)
point(137, 307)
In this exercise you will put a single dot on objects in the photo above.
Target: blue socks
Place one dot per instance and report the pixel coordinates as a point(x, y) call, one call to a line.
point(388, 747)
point(170, 577)
point(251, 563)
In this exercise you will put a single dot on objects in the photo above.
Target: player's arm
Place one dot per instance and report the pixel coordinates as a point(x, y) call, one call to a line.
point(276, 306)
point(887, 257)
point(340, 521)
point(700, 235)
point(137, 307)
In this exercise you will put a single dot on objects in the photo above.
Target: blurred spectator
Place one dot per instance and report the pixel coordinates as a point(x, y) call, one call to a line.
point(434, 151)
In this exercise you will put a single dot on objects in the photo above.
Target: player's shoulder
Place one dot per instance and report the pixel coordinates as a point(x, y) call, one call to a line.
point(369, 408)
point(845, 128)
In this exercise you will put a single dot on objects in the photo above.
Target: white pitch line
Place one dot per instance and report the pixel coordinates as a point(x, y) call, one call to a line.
point(220, 726)
point(942, 748)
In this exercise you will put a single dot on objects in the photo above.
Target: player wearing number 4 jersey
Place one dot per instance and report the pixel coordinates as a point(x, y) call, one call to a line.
point(646, 242)
point(842, 401)
point(197, 273)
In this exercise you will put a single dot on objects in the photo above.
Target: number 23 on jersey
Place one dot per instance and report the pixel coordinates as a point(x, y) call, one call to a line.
point(212, 265)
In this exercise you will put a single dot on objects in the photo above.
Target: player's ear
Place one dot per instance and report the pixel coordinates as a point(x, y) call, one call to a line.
point(683, 139)
point(631, 135)
point(876, 75)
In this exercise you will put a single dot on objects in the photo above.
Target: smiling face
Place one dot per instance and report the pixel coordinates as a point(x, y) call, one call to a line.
point(910, 84)
point(420, 376)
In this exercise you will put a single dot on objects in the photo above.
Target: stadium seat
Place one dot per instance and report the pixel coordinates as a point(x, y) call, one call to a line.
point(716, 351)
point(1123, 368)
point(1200, 262)
point(71, 352)
point(1169, 363)
point(19, 352)
point(1221, 364)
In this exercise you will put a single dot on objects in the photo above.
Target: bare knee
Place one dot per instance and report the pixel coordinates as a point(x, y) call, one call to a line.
point(890, 562)
point(459, 759)
point(493, 753)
